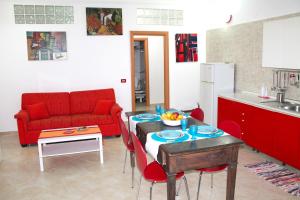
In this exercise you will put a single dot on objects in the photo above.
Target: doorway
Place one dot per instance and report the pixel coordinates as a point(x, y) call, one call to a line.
point(141, 76)
point(141, 63)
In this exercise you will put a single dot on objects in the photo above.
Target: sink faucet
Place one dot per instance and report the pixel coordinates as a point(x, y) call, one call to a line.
point(280, 83)
point(280, 96)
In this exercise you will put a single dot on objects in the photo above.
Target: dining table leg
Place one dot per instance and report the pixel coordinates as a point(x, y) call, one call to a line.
point(171, 186)
point(231, 175)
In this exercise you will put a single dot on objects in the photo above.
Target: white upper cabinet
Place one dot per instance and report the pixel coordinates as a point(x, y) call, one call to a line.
point(281, 43)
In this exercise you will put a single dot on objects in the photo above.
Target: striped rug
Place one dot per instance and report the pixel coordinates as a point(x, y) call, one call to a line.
point(277, 175)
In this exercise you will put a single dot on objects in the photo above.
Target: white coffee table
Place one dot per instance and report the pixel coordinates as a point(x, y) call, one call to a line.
point(57, 142)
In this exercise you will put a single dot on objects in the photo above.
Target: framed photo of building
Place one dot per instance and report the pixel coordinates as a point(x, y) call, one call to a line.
point(104, 21)
point(186, 48)
point(46, 45)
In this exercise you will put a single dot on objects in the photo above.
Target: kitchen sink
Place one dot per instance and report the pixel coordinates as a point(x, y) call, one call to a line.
point(294, 107)
point(290, 106)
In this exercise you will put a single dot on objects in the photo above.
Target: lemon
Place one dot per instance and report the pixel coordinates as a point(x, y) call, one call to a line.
point(180, 117)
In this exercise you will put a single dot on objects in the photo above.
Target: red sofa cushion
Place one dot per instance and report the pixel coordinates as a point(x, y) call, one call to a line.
point(103, 107)
point(50, 123)
point(37, 111)
point(85, 101)
point(90, 119)
point(58, 103)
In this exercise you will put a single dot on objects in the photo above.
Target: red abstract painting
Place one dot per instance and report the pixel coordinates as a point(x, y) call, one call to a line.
point(186, 48)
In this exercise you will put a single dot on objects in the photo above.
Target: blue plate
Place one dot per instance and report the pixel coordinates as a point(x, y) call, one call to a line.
point(146, 116)
point(207, 129)
point(207, 132)
point(175, 138)
point(169, 135)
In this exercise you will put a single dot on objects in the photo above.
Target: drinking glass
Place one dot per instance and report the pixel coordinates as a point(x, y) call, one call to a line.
point(162, 111)
point(183, 124)
point(193, 129)
point(157, 109)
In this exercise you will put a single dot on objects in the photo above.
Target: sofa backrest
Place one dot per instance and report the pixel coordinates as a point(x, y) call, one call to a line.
point(57, 103)
point(85, 101)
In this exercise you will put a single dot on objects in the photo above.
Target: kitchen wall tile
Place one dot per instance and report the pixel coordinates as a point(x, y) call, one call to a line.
point(242, 44)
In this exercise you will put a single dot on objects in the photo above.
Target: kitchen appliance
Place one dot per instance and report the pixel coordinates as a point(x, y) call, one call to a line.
point(215, 78)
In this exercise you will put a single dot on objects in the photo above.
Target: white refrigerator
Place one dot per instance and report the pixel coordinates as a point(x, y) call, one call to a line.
point(215, 78)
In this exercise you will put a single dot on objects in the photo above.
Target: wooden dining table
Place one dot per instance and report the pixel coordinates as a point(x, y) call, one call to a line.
point(191, 155)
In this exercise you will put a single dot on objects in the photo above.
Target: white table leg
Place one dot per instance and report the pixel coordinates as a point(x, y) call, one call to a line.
point(41, 157)
point(100, 149)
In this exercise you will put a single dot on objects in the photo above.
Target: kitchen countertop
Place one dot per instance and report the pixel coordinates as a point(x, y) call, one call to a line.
point(254, 100)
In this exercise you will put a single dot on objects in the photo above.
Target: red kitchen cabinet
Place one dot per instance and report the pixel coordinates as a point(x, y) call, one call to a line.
point(261, 128)
point(231, 110)
point(287, 140)
point(272, 133)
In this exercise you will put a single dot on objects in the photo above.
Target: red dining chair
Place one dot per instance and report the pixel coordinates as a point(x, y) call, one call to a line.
point(233, 129)
point(129, 147)
point(198, 114)
point(153, 171)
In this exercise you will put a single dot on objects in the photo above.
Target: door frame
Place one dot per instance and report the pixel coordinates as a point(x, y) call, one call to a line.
point(165, 36)
point(146, 60)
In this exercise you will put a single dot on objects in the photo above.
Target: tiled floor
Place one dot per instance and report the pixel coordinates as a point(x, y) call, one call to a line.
point(82, 177)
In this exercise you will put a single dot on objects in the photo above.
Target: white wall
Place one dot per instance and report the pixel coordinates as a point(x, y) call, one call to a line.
point(93, 61)
point(101, 61)
point(216, 12)
point(156, 69)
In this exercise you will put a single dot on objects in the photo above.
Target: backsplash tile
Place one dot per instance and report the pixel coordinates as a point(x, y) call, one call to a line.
point(242, 45)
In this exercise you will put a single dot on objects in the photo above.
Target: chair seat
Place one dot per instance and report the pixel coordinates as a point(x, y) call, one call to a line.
point(213, 169)
point(155, 173)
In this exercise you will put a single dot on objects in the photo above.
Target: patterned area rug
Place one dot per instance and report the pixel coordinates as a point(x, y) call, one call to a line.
point(277, 175)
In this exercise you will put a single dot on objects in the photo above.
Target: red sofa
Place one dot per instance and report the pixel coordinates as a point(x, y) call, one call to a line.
point(41, 111)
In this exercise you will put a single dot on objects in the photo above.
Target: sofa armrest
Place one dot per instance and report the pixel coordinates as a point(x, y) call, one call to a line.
point(116, 110)
point(22, 115)
point(22, 120)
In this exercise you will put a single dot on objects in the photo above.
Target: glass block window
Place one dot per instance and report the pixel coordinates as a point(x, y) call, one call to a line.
point(43, 14)
point(151, 16)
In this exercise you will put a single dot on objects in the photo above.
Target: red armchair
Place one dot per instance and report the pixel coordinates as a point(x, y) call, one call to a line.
point(41, 111)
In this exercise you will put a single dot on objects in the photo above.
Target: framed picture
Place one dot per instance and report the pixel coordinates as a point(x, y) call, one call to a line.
point(46, 45)
point(104, 21)
point(186, 48)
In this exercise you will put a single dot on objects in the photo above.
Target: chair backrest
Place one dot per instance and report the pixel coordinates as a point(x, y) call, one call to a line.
point(140, 154)
point(198, 114)
point(231, 127)
point(124, 132)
